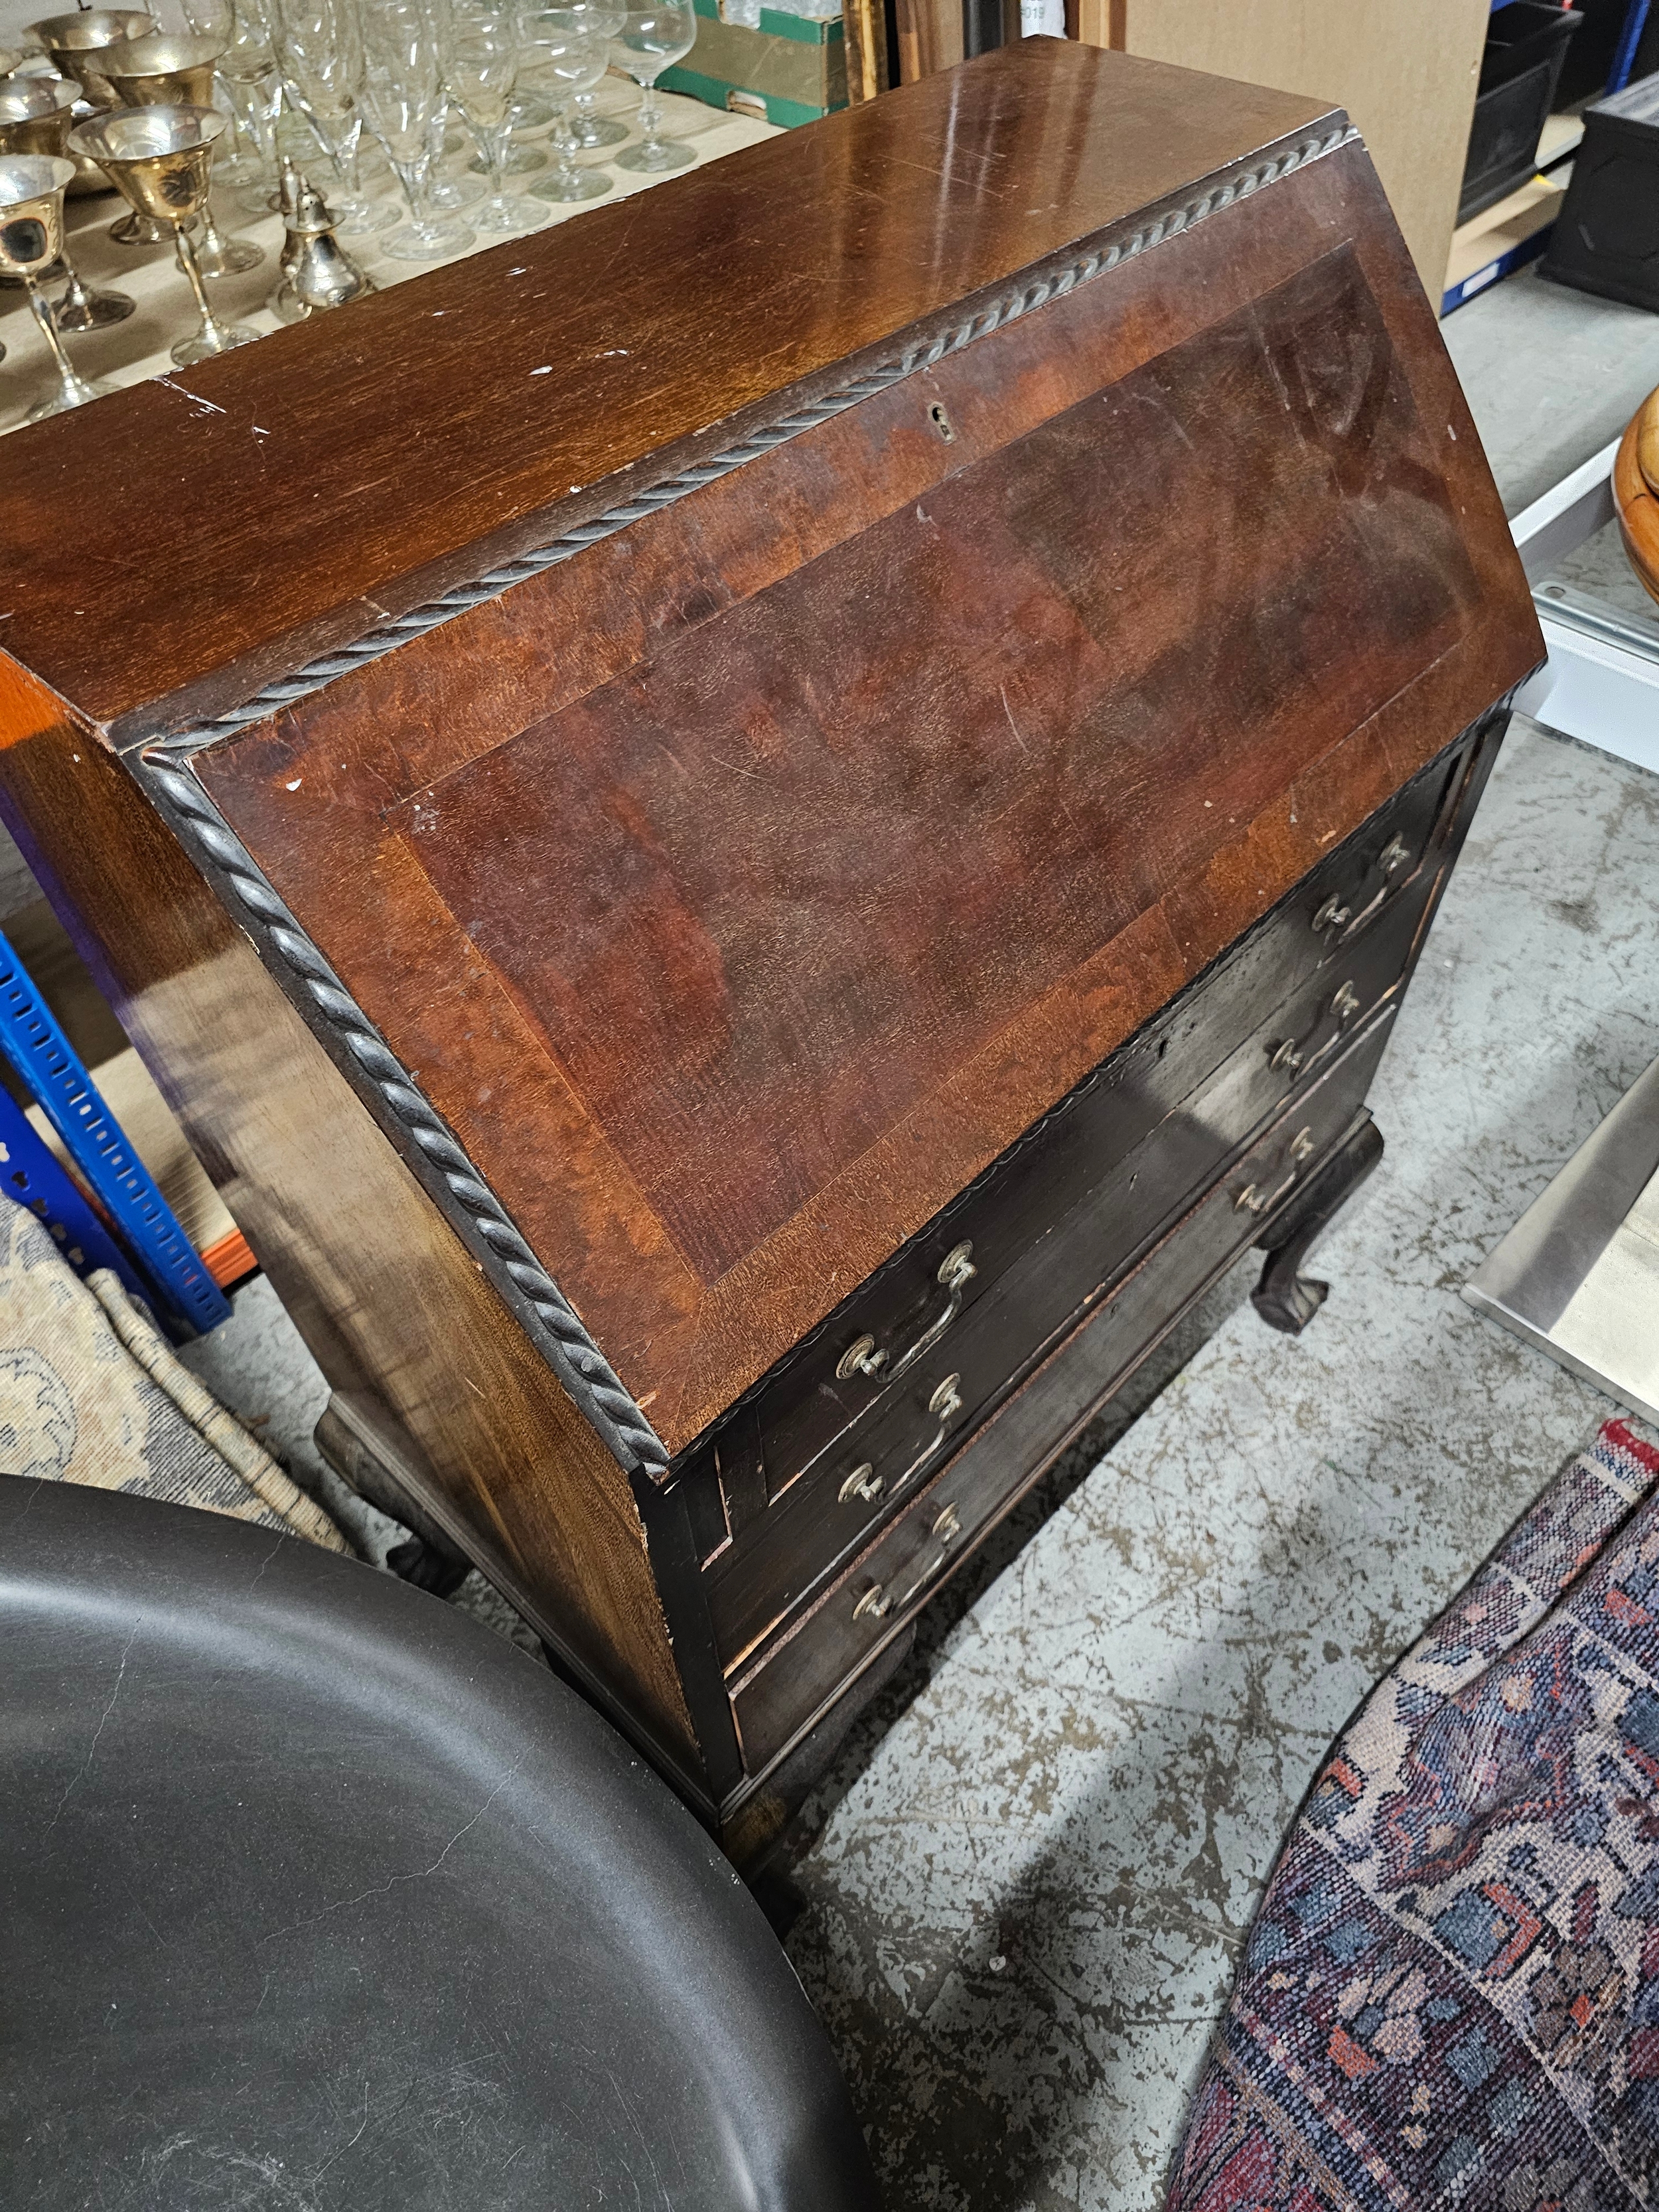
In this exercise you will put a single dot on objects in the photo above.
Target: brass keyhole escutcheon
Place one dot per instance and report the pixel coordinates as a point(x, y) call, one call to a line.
point(942, 423)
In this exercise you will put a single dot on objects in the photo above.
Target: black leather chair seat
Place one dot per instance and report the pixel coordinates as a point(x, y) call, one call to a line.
point(314, 1894)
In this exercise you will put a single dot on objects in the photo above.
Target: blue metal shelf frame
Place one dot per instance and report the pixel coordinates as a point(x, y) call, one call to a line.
point(45, 1063)
point(31, 1178)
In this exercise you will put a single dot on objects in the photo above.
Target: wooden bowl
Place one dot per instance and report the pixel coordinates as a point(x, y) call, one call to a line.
point(1636, 492)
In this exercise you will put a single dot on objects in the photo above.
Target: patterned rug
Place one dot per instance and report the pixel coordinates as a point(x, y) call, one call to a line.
point(1450, 1995)
point(89, 1392)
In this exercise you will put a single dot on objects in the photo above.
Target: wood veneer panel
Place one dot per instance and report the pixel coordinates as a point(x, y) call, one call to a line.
point(398, 1316)
point(1210, 525)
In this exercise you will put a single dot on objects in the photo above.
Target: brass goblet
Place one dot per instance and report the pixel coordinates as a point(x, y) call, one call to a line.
point(36, 114)
point(158, 159)
point(31, 239)
point(162, 70)
point(73, 42)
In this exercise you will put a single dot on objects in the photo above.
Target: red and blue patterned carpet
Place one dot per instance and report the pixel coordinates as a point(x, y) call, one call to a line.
point(1450, 1995)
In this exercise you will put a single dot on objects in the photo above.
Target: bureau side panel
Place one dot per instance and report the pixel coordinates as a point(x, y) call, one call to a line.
point(397, 1314)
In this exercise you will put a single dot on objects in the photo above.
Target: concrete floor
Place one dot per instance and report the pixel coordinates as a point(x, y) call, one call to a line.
point(1038, 1857)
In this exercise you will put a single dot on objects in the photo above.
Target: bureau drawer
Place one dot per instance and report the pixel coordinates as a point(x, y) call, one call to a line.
point(868, 1468)
point(879, 1340)
point(805, 1663)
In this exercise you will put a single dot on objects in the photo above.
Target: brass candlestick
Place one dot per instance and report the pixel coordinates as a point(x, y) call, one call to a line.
point(160, 70)
point(158, 159)
point(36, 114)
point(31, 239)
point(317, 272)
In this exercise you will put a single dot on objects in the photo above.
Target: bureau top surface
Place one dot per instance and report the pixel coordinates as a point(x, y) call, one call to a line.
point(170, 550)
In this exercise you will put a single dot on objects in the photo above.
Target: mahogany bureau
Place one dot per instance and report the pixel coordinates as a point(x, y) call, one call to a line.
point(755, 835)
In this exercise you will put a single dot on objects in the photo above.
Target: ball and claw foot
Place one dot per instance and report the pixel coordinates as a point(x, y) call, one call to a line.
point(1285, 1298)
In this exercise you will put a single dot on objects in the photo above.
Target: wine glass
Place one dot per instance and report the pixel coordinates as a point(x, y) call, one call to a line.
point(400, 84)
point(650, 41)
point(31, 239)
point(449, 195)
point(36, 114)
point(158, 159)
point(587, 127)
point(319, 48)
point(575, 55)
point(253, 87)
point(483, 71)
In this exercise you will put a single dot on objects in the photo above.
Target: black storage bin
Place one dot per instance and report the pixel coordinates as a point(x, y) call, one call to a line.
point(1605, 238)
point(1526, 45)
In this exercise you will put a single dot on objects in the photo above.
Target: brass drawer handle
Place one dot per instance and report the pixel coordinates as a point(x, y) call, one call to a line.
point(1288, 1054)
point(1345, 1004)
point(1394, 854)
point(955, 1271)
point(864, 1484)
point(1252, 1200)
point(874, 1605)
point(946, 1403)
point(947, 1529)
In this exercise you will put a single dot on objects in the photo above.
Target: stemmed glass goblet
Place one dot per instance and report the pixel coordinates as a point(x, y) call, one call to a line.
point(162, 70)
point(36, 114)
point(482, 71)
point(575, 55)
point(253, 86)
point(31, 239)
point(588, 128)
point(160, 159)
point(401, 78)
point(319, 46)
point(650, 40)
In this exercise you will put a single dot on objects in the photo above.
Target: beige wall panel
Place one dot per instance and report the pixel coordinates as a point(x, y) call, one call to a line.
point(1404, 70)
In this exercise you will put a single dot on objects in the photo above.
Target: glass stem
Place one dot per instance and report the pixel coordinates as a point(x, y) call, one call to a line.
point(411, 175)
point(187, 252)
point(348, 162)
point(494, 153)
point(650, 117)
point(563, 143)
point(74, 391)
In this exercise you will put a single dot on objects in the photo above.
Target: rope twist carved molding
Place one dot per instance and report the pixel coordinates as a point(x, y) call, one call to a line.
point(553, 1322)
point(445, 1168)
point(328, 668)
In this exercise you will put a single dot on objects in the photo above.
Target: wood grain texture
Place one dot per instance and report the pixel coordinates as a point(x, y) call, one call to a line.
point(1636, 493)
point(784, 856)
point(236, 519)
point(398, 1318)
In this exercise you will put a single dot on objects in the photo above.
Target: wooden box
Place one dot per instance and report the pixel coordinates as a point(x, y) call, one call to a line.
point(754, 836)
